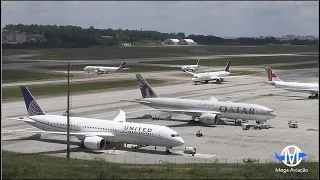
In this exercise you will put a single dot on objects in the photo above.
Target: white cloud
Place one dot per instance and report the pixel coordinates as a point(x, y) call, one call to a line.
point(221, 18)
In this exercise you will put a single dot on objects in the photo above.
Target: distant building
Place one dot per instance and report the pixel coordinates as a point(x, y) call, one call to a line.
point(126, 44)
point(170, 42)
point(188, 42)
point(21, 37)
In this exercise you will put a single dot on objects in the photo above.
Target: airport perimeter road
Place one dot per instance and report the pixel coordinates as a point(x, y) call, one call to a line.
point(223, 142)
point(116, 61)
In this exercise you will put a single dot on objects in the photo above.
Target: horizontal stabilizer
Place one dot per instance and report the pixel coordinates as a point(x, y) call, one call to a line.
point(25, 119)
point(121, 117)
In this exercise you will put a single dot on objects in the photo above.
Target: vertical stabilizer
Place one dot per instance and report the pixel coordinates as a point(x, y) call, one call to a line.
point(31, 104)
point(145, 88)
point(227, 67)
point(271, 75)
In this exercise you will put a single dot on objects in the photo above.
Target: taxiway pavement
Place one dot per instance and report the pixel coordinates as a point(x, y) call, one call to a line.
point(222, 143)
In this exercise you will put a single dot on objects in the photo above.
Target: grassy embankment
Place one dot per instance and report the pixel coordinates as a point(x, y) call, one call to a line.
point(99, 53)
point(242, 61)
point(30, 166)
point(14, 92)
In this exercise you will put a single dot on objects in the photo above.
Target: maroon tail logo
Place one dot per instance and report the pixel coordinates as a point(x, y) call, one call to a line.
point(145, 91)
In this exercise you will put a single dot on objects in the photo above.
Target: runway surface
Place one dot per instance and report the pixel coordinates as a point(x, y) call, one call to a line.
point(220, 143)
point(33, 63)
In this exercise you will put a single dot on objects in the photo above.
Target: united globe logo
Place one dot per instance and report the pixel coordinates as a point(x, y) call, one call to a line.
point(34, 109)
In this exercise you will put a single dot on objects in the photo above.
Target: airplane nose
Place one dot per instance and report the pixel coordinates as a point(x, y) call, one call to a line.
point(180, 141)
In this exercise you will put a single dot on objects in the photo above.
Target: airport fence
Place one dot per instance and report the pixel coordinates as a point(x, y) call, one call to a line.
point(170, 159)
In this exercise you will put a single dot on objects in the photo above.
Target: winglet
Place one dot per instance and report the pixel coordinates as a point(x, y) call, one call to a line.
point(31, 104)
point(145, 88)
point(121, 117)
point(227, 67)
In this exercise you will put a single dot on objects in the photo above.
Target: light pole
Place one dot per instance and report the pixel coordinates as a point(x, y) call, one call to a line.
point(68, 111)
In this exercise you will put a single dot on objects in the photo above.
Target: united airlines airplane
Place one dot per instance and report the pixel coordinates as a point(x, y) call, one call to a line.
point(95, 133)
point(312, 88)
point(204, 111)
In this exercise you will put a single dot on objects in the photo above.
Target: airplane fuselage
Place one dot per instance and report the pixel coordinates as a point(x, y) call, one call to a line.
point(208, 76)
point(229, 110)
point(189, 67)
point(101, 68)
point(125, 132)
point(297, 87)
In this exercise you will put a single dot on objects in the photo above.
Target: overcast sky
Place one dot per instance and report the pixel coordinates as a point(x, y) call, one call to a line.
point(217, 18)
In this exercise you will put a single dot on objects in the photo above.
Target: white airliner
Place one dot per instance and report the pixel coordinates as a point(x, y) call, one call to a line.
point(206, 111)
point(95, 133)
point(312, 88)
point(218, 76)
point(102, 69)
point(191, 67)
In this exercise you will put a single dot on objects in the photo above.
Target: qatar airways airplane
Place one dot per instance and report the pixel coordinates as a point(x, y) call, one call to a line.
point(102, 69)
point(205, 111)
point(95, 133)
point(312, 88)
point(205, 77)
point(191, 67)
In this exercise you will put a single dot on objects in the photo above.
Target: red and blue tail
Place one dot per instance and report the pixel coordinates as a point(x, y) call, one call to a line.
point(145, 88)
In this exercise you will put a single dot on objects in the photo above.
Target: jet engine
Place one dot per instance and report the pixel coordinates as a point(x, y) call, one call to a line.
point(94, 142)
point(209, 119)
point(96, 71)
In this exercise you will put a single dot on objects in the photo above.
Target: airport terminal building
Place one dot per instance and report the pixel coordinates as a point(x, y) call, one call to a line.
point(175, 42)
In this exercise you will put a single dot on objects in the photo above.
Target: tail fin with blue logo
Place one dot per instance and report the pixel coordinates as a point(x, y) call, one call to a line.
point(227, 67)
point(145, 88)
point(31, 104)
point(122, 65)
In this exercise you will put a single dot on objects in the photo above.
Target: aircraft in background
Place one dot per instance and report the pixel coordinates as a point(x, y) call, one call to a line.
point(102, 69)
point(217, 76)
point(95, 133)
point(205, 111)
point(191, 67)
point(312, 88)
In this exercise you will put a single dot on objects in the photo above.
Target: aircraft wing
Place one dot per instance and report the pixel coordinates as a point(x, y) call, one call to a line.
point(136, 101)
point(189, 112)
point(25, 119)
point(190, 73)
point(78, 133)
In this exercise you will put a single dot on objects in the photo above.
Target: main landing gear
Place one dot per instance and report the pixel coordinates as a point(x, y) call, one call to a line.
point(81, 144)
point(314, 96)
point(168, 150)
point(194, 120)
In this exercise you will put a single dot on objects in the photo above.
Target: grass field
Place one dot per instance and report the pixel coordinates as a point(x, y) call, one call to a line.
point(21, 75)
point(11, 62)
point(132, 68)
point(241, 61)
point(14, 92)
point(299, 66)
point(98, 53)
point(30, 166)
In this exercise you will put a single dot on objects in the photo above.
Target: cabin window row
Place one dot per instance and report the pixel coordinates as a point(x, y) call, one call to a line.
point(84, 126)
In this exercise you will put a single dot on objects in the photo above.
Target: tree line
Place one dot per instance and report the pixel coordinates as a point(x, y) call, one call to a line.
point(77, 37)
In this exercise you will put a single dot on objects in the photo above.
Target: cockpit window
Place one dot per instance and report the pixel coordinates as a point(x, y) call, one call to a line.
point(270, 111)
point(174, 135)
